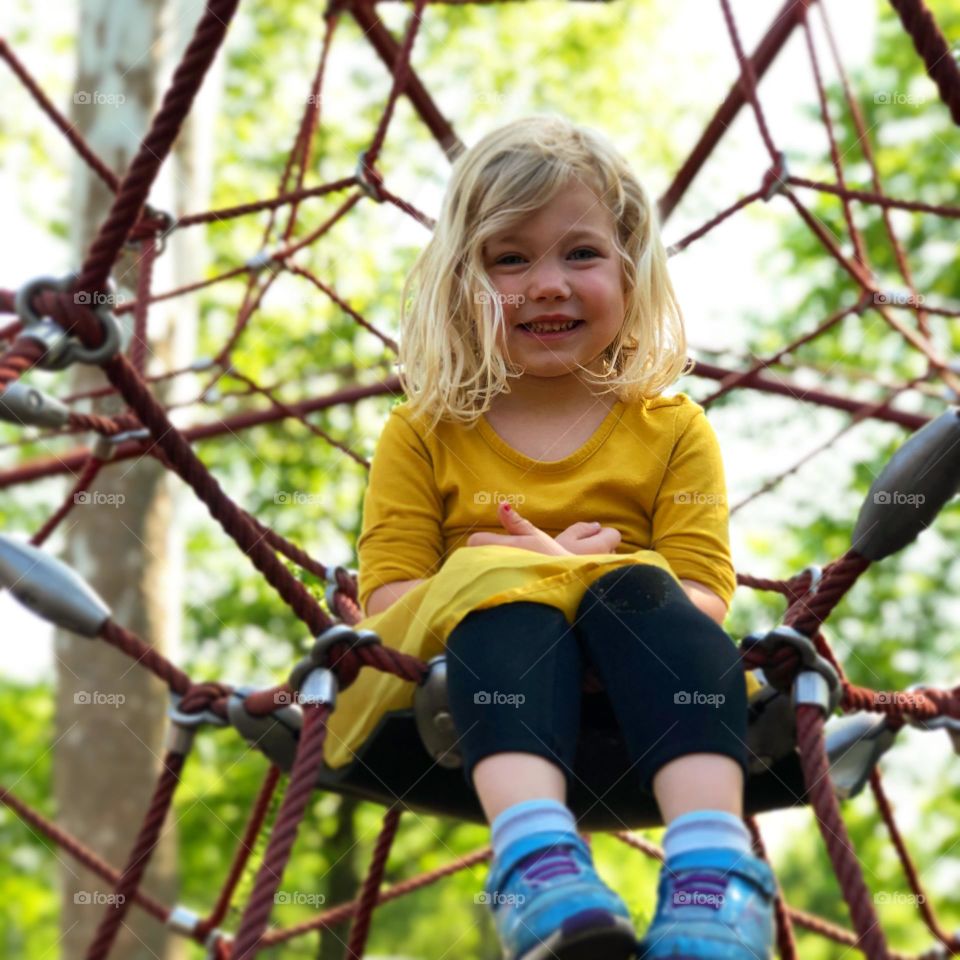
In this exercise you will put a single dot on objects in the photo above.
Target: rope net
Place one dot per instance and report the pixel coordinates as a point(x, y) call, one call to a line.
point(145, 429)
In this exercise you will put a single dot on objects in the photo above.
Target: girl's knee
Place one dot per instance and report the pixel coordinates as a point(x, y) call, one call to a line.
point(637, 588)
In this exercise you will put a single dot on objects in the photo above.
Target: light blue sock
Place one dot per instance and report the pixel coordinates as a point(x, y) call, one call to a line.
point(700, 829)
point(530, 816)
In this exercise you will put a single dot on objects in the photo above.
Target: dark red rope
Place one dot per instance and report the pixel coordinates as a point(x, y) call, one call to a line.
point(143, 849)
point(816, 771)
point(930, 43)
point(79, 852)
point(244, 851)
point(135, 187)
point(302, 781)
point(371, 885)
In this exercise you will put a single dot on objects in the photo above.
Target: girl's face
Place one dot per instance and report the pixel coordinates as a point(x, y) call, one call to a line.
point(561, 260)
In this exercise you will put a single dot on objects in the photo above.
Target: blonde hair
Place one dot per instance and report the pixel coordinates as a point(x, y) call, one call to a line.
point(450, 367)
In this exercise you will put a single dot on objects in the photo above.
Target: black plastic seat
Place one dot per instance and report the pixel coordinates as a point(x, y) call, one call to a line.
point(393, 766)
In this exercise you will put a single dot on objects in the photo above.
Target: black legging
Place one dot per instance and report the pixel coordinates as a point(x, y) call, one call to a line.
point(673, 677)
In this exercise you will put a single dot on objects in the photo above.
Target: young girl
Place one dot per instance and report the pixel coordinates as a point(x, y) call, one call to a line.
point(537, 505)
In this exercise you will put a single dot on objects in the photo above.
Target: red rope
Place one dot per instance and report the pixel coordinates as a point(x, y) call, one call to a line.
point(371, 885)
point(143, 848)
point(302, 781)
point(244, 851)
point(138, 346)
point(69, 130)
point(135, 187)
point(929, 42)
point(79, 852)
point(923, 901)
point(816, 772)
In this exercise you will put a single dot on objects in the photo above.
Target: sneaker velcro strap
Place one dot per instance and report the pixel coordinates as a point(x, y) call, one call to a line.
point(519, 849)
point(729, 862)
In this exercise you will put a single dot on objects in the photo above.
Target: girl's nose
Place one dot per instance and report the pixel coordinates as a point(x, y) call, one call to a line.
point(547, 280)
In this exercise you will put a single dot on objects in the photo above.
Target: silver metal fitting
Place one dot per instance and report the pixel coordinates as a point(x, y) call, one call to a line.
point(319, 686)
point(180, 718)
point(63, 349)
point(182, 920)
point(105, 447)
point(50, 588)
point(30, 407)
point(366, 184)
point(812, 688)
point(179, 738)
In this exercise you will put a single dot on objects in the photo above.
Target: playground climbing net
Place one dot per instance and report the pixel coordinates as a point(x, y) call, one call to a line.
point(60, 321)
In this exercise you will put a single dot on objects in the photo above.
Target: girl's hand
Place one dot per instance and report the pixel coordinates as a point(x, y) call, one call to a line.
point(582, 538)
point(521, 533)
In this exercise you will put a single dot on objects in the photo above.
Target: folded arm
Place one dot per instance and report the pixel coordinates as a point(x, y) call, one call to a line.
point(705, 600)
point(387, 594)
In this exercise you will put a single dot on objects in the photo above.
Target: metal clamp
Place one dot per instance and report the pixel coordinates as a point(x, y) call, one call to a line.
point(105, 447)
point(168, 223)
point(776, 177)
point(319, 655)
point(183, 920)
point(369, 187)
point(950, 724)
point(28, 406)
point(262, 260)
point(183, 719)
point(62, 348)
point(854, 744)
point(275, 734)
point(431, 711)
point(817, 681)
point(816, 575)
point(50, 588)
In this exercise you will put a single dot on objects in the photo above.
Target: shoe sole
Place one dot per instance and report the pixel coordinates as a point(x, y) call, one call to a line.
point(612, 939)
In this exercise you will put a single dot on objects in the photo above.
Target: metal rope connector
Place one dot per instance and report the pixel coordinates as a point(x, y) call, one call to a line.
point(263, 260)
point(105, 447)
point(191, 720)
point(183, 921)
point(816, 682)
point(950, 724)
point(319, 657)
point(431, 713)
point(274, 734)
point(369, 186)
point(61, 348)
point(775, 179)
point(167, 224)
point(30, 407)
point(50, 588)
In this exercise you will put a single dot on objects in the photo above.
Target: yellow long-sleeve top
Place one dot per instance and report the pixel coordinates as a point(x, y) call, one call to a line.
point(652, 470)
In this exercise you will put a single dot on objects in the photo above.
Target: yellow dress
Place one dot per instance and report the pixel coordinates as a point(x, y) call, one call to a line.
point(652, 470)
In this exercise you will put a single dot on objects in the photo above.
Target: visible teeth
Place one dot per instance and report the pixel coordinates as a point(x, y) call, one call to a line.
point(550, 327)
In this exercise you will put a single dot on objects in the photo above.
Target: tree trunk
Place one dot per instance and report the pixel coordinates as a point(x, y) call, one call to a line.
point(343, 878)
point(123, 539)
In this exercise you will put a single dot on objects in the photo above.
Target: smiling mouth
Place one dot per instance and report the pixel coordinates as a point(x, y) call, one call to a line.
point(542, 329)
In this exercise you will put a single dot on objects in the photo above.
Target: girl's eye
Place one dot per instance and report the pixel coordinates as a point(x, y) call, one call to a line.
point(578, 250)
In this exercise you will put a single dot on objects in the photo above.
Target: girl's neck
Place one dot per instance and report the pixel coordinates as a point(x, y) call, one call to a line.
point(550, 395)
